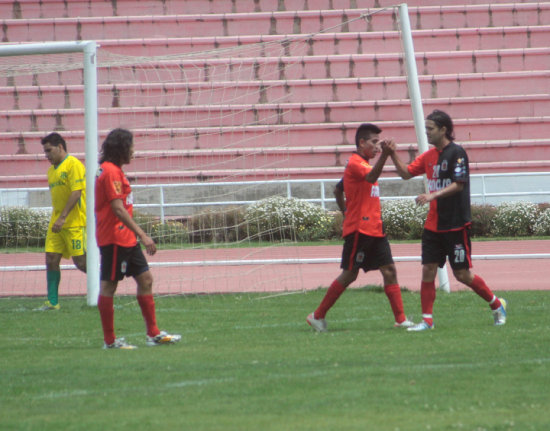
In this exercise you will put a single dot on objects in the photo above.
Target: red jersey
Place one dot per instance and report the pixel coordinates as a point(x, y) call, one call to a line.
point(110, 184)
point(363, 213)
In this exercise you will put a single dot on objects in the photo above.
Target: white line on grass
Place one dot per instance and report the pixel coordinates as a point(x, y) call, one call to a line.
point(314, 373)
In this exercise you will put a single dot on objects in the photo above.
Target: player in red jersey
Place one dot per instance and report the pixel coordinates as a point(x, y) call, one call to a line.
point(365, 244)
point(116, 231)
point(447, 228)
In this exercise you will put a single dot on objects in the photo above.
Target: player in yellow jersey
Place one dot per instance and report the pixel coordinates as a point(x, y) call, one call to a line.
point(66, 235)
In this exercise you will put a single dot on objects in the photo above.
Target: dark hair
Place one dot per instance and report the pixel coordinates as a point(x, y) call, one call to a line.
point(364, 131)
point(55, 140)
point(116, 147)
point(442, 119)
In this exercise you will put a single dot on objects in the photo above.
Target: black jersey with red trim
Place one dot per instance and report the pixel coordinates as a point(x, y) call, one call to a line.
point(443, 168)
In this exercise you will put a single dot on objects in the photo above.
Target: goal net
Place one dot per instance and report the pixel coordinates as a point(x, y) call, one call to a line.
point(218, 125)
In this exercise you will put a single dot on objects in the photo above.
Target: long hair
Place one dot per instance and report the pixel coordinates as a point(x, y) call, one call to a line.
point(116, 147)
point(364, 131)
point(55, 140)
point(442, 119)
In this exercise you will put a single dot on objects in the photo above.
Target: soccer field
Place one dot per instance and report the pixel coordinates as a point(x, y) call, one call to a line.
point(250, 362)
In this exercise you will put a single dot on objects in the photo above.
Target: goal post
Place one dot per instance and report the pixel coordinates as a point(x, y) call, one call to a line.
point(89, 49)
point(212, 121)
point(417, 108)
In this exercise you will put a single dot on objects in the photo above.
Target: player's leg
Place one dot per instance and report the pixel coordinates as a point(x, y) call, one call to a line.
point(461, 262)
point(317, 319)
point(337, 287)
point(53, 278)
point(350, 270)
point(393, 293)
point(105, 306)
point(139, 269)
point(55, 249)
point(433, 256)
point(112, 258)
point(379, 256)
point(75, 240)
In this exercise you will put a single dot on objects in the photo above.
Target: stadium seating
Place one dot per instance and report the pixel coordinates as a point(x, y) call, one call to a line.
point(488, 64)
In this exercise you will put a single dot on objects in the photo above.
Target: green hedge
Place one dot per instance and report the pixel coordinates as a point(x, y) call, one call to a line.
point(281, 219)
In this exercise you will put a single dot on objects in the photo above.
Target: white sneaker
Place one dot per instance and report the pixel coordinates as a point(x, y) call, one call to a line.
point(320, 325)
point(119, 343)
point(404, 324)
point(422, 326)
point(163, 338)
point(500, 313)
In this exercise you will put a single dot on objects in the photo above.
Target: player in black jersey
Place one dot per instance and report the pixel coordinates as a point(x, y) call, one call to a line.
point(447, 228)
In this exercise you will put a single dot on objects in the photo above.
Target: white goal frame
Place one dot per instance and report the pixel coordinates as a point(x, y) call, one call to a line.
point(89, 50)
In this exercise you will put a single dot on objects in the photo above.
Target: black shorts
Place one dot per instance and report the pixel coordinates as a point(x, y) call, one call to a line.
point(118, 262)
point(365, 252)
point(456, 245)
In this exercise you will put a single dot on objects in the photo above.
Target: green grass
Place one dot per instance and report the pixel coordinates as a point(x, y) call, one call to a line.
point(250, 362)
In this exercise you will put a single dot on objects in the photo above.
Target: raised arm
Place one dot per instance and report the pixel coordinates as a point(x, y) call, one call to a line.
point(388, 148)
point(401, 167)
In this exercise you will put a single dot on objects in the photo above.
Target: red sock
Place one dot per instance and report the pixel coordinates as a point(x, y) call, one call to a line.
point(107, 315)
point(393, 292)
point(147, 304)
point(332, 295)
point(478, 286)
point(427, 299)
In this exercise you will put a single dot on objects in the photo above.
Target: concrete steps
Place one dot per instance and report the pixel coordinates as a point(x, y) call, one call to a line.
point(488, 65)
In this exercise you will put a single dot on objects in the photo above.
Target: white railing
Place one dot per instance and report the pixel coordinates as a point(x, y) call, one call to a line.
point(485, 188)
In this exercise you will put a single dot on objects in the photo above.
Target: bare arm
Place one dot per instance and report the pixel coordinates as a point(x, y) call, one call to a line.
point(124, 216)
point(388, 148)
point(340, 198)
point(450, 190)
point(401, 167)
point(74, 197)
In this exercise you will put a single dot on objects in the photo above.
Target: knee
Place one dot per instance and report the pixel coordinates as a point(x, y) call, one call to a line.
point(145, 283)
point(389, 273)
point(80, 262)
point(52, 262)
point(347, 277)
point(463, 276)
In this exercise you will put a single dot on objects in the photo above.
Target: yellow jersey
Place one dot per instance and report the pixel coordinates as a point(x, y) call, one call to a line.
point(63, 179)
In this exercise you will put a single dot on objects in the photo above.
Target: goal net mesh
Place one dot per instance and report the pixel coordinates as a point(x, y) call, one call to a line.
point(216, 128)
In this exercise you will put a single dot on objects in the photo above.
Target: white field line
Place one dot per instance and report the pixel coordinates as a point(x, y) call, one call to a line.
point(277, 376)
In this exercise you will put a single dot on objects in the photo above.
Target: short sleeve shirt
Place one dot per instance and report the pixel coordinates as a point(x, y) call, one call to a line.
point(111, 184)
point(363, 213)
point(63, 179)
point(443, 168)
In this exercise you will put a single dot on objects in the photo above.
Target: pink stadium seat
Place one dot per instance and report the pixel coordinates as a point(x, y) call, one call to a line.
point(487, 64)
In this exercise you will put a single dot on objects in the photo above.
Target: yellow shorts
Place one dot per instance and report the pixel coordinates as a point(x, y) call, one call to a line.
point(69, 242)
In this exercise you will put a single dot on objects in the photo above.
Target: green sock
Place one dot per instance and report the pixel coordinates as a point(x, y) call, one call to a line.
point(53, 278)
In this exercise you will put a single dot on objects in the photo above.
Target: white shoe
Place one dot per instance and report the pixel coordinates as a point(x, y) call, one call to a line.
point(404, 324)
point(320, 325)
point(163, 338)
point(422, 326)
point(119, 343)
point(500, 313)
